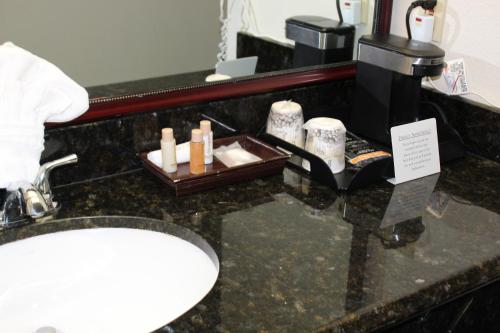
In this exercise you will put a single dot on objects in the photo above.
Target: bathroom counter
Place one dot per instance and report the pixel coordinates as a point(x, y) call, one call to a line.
point(298, 257)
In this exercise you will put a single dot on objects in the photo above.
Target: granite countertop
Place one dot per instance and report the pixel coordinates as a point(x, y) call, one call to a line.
point(298, 256)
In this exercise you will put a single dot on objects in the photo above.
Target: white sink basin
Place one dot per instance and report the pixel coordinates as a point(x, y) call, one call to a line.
point(100, 280)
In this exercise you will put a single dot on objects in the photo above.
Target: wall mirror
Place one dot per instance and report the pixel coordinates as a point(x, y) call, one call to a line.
point(108, 43)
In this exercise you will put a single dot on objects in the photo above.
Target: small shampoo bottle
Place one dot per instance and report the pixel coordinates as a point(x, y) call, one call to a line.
point(196, 152)
point(168, 156)
point(208, 140)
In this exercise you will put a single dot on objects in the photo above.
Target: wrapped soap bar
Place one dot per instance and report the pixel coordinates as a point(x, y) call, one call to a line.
point(234, 155)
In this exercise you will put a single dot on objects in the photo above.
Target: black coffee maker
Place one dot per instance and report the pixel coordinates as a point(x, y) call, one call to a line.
point(319, 40)
point(388, 90)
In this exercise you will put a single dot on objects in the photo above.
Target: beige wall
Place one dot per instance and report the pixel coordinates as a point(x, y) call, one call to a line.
point(470, 32)
point(97, 42)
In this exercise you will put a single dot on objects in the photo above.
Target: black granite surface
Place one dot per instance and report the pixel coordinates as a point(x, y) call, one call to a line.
point(114, 144)
point(111, 146)
point(272, 55)
point(477, 311)
point(478, 125)
point(296, 256)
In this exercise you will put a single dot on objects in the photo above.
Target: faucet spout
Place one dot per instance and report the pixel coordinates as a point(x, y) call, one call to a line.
point(31, 201)
point(42, 178)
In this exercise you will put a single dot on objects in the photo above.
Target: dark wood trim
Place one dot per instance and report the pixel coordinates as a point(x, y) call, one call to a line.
point(382, 17)
point(386, 17)
point(120, 107)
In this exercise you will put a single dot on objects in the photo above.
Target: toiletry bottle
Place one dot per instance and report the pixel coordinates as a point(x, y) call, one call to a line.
point(196, 152)
point(168, 155)
point(208, 139)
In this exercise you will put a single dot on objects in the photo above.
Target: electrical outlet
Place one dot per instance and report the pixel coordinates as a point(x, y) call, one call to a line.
point(439, 16)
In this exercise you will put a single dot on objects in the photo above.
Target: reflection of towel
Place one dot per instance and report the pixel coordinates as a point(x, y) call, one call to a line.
point(32, 92)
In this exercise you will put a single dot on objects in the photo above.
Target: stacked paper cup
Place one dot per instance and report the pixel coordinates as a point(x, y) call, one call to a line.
point(285, 121)
point(326, 138)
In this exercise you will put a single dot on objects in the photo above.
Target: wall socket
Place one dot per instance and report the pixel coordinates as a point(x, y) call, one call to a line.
point(439, 16)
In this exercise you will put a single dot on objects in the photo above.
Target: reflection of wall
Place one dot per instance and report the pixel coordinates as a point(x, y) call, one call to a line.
point(267, 18)
point(98, 42)
point(470, 32)
point(273, 56)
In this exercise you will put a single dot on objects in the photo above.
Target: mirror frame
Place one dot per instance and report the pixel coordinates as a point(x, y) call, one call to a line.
point(105, 108)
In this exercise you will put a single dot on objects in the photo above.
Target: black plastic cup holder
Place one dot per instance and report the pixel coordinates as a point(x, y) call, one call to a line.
point(351, 178)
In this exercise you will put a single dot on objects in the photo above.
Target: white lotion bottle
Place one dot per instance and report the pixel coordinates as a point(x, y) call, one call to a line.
point(168, 154)
point(208, 140)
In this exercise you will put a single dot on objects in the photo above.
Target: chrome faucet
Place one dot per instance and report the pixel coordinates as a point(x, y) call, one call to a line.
point(31, 202)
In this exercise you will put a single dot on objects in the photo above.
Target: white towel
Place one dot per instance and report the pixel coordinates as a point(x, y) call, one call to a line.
point(32, 92)
point(181, 153)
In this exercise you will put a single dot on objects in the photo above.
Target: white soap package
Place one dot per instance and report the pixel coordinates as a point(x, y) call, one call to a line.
point(32, 92)
point(235, 155)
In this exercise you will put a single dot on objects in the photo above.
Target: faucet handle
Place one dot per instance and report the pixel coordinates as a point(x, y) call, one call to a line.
point(22, 205)
point(42, 178)
point(35, 204)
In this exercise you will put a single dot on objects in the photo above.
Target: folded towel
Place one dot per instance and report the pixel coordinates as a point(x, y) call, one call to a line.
point(32, 92)
point(181, 154)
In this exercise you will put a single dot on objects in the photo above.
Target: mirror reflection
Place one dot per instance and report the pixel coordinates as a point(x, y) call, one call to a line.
point(99, 43)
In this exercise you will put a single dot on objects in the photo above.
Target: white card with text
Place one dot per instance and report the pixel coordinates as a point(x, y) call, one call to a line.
point(415, 150)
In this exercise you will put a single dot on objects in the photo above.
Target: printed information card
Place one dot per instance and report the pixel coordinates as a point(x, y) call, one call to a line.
point(415, 150)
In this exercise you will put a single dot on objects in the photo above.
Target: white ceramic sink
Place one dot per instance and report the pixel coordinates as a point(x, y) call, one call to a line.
point(100, 280)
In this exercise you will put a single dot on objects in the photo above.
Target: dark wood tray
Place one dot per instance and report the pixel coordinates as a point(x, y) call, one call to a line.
point(217, 174)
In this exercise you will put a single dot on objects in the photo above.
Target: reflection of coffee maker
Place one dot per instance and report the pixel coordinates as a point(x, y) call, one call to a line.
point(388, 90)
point(319, 40)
